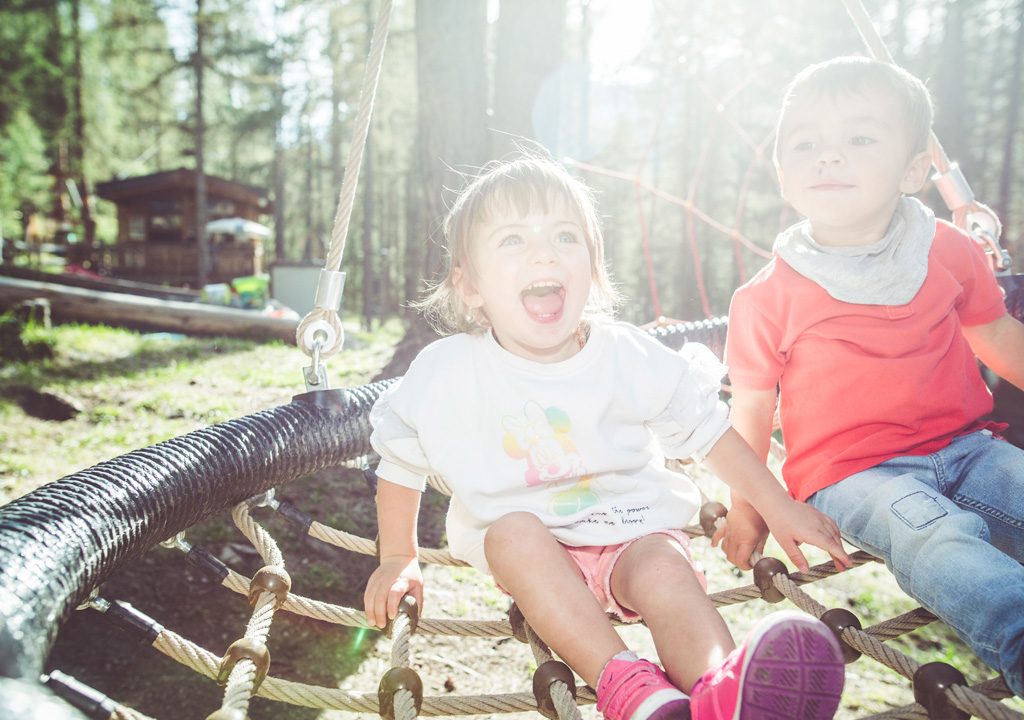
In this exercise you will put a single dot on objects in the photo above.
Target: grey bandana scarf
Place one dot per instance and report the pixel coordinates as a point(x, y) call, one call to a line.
point(887, 272)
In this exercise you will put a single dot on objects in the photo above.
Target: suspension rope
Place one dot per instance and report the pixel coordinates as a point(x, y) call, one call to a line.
point(320, 334)
point(974, 217)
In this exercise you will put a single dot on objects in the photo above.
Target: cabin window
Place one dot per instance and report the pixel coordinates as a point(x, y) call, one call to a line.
point(136, 227)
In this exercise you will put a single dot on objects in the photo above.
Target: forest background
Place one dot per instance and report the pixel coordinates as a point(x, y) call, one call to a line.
point(666, 108)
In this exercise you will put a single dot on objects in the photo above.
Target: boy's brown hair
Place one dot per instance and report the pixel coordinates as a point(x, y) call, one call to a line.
point(855, 74)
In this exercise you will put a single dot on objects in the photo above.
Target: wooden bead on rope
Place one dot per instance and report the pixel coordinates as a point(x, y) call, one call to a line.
point(930, 683)
point(710, 513)
point(273, 579)
point(548, 673)
point(395, 679)
point(245, 649)
point(406, 606)
point(765, 571)
point(838, 619)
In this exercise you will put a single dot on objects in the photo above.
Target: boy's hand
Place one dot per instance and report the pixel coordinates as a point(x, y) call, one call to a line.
point(396, 577)
point(742, 534)
point(794, 523)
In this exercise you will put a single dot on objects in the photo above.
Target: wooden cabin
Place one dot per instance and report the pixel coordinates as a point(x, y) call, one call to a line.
point(156, 236)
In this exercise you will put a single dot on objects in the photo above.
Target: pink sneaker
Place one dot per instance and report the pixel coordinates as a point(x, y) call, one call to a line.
point(639, 690)
point(789, 667)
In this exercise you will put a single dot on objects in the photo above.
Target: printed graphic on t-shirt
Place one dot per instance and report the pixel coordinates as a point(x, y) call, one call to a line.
point(541, 437)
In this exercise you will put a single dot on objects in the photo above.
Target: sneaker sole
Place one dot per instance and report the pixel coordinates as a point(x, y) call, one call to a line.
point(793, 670)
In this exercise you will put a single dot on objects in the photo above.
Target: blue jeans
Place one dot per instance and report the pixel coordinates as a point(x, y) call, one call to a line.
point(950, 527)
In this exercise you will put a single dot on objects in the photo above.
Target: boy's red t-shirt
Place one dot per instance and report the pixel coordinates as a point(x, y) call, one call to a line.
point(860, 384)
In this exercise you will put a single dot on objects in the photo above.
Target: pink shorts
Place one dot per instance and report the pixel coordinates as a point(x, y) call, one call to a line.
point(596, 563)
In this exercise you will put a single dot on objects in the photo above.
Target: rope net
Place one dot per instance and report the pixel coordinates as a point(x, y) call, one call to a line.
point(556, 692)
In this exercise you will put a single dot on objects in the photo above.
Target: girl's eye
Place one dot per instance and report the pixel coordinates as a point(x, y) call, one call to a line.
point(567, 237)
point(510, 240)
point(803, 146)
point(862, 140)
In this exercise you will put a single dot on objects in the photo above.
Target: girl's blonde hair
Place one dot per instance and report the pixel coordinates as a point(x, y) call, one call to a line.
point(515, 187)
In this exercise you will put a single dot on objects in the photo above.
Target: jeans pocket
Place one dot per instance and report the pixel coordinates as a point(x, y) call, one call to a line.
point(918, 510)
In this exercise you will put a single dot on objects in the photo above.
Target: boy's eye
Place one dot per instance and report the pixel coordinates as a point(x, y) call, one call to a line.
point(803, 146)
point(510, 240)
point(862, 140)
point(567, 237)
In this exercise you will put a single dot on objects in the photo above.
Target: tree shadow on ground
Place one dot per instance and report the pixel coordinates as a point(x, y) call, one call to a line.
point(136, 363)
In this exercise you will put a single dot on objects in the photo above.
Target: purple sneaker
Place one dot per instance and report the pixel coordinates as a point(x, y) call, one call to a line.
point(639, 690)
point(789, 667)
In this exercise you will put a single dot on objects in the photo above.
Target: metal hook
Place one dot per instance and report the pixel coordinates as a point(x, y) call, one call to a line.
point(176, 543)
point(315, 375)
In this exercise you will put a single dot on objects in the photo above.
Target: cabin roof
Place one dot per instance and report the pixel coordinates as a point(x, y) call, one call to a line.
point(181, 179)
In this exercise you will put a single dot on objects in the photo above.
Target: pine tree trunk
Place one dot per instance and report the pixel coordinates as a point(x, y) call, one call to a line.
point(88, 224)
point(521, 69)
point(452, 93)
point(1006, 176)
point(202, 239)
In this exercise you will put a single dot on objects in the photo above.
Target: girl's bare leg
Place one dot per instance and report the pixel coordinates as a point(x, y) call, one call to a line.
point(535, 569)
point(654, 579)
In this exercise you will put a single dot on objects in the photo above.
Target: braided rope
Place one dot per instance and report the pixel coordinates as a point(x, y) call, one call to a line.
point(975, 217)
point(347, 194)
point(902, 624)
point(966, 698)
point(365, 546)
point(402, 629)
point(206, 663)
point(978, 700)
point(242, 678)
point(338, 615)
point(561, 697)
point(264, 543)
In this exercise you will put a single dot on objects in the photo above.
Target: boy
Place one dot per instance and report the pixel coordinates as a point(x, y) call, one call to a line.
point(868, 319)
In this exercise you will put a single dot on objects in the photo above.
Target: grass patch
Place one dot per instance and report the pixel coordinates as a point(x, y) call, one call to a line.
point(138, 389)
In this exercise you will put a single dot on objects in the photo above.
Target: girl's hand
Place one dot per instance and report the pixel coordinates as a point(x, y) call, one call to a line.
point(793, 523)
point(742, 534)
point(394, 578)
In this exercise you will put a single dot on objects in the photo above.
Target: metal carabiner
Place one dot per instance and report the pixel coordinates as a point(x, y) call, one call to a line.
point(985, 230)
point(315, 374)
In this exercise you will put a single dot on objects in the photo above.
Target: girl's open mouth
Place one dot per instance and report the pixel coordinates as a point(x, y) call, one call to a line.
point(544, 300)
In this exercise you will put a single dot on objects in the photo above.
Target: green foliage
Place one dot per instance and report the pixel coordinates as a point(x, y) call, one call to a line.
point(132, 94)
point(31, 65)
point(24, 186)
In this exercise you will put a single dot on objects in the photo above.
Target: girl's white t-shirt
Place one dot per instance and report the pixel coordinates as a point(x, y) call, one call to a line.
point(580, 443)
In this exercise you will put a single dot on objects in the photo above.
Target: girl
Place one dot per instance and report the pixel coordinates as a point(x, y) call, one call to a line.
point(539, 412)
